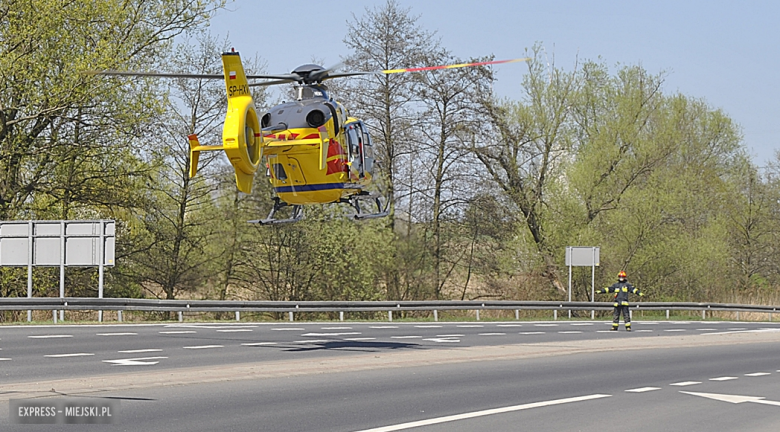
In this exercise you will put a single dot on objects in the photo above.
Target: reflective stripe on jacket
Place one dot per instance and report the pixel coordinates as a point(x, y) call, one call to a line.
point(621, 290)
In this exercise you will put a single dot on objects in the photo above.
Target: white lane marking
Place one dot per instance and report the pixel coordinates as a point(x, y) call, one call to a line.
point(674, 330)
point(428, 326)
point(531, 333)
point(685, 383)
point(5, 359)
point(581, 324)
point(141, 361)
point(50, 336)
point(311, 341)
point(737, 328)
point(116, 334)
point(725, 378)
point(210, 327)
point(258, 343)
point(69, 355)
point(470, 326)
point(178, 332)
point(442, 340)
point(570, 332)
point(405, 337)
point(335, 328)
point(204, 346)
point(735, 399)
point(706, 329)
point(450, 335)
point(140, 351)
point(234, 330)
point(359, 339)
point(491, 334)
point(643, 389)
point(383, 327)
point(510, 325)
point(289, 329)
point(643, 331)
point(545, 325)
point(758, 374)
point(474, 414)
point(606, 331)
point(332, 334)
point(745, 331)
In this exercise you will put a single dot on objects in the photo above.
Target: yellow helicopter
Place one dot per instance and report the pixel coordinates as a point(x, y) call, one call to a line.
point(314, 152)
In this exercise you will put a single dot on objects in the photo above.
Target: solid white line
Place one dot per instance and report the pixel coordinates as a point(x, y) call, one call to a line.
point(475, 414)
point(117, 334)
point(50, 336)
point(725, 378)
point(234, 330)
point(258, 344)
point(757, 374)
point(204, 346)
point(69, 355)
point(178, 332)
point(140, 351)
point(643, 389)
point(685, 383)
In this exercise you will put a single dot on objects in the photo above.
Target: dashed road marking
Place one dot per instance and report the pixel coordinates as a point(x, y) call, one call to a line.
point(335, 328)
point(509, 325)
point(758, 374)
point(140, 351)
point(178, 332)
point(50, 336)
point(234, 330)
point(428, 326)
point(331, 334)
point(643, 331)
point(643, 389)
point(141, 361)
point(545, 325)
point(311, 341)
point(570, 332)
point(470, 326)
point(442, 340)
point(491, 334)
point(450, 335)
point(674, 330)
point(360, 339)
point(204, 346)
point(531, 333)
point(383, 327)
point(5, 359)
point(289, 329)
point(116, 334)
point(581, 324)
point(69, 355)
point(685, 383)
point(258, 344)
point(725, 378)
point(706, 329)
point(405, 337)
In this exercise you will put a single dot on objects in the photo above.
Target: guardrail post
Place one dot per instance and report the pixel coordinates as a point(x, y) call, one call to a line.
point(100, 316)
point(291, 316)
point(737, 315)
point(55, 316)
point(477, 314)
point(435, 315)
point(703, 314)
point(119, 315)
point(555, 314)
point(341, 316)
point(517, 314)
point(181, 316)
point(667, 314)
point(389, 315)
point(238, 316)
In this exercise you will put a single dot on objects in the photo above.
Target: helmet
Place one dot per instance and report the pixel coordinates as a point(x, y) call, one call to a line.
point(622, 275)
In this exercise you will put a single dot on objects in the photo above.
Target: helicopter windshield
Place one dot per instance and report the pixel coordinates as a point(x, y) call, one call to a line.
point(311, 92)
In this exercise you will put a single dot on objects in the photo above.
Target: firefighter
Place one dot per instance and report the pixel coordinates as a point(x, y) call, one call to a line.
point(621, 289)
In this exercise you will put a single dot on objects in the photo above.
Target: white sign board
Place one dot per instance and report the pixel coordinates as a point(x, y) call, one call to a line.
point(582, 256)
point(57, 243)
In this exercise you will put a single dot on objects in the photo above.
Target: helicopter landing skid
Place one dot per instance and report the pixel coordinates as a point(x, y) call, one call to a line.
point(297, 214)
point(381, 211)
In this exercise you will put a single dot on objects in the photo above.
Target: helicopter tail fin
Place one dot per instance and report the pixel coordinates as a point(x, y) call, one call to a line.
point(195, 149)
point(242, 138)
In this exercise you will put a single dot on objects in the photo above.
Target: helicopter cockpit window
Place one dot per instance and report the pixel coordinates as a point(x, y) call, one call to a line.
point(312, 92)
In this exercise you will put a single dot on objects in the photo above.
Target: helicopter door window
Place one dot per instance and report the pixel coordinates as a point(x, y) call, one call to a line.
point(279, 172)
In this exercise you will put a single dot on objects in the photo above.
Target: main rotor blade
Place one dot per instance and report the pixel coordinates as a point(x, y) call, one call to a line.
point(287, 77)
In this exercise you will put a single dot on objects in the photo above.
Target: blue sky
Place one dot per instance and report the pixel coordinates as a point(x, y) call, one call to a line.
point(725, 52)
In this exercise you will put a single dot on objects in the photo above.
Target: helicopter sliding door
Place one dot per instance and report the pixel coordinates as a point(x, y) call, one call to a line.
point(361, 153)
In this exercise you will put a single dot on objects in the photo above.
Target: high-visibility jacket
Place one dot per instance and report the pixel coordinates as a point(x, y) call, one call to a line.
point(621, 290)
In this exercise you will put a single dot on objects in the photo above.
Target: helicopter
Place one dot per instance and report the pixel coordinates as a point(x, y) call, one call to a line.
point(314, 151)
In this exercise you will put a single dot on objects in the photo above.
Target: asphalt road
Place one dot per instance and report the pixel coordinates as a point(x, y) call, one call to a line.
point(597, 386)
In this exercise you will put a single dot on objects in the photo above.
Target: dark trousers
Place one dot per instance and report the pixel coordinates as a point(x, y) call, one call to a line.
point(616, 316)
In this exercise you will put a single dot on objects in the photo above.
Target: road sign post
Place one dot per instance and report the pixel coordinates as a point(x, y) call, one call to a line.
point(584, 256)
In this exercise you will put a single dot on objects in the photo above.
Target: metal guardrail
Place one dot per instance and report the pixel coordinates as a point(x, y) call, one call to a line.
point(292, 307)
